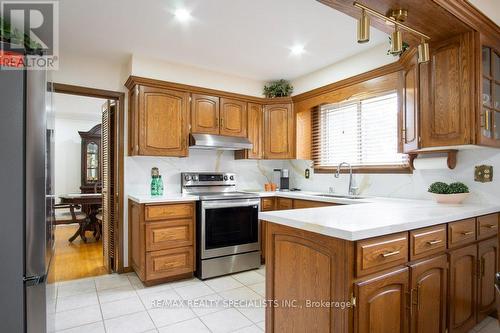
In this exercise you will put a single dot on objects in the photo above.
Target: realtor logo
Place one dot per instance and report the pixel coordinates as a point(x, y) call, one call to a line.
point(31, 27)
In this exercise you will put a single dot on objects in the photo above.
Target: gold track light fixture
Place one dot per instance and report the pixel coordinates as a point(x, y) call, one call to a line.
point(397, 17)
point(364, 27)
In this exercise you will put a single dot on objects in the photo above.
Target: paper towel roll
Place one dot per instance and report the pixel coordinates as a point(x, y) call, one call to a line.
point(426, 163)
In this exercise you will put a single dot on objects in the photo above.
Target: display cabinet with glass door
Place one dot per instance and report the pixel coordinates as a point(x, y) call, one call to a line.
point(91, 160)
point(490, 95)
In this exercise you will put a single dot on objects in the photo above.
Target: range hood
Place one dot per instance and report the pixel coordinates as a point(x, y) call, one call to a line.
point(218, 142)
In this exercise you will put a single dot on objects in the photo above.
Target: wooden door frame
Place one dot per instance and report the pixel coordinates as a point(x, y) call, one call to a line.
point(119, 155)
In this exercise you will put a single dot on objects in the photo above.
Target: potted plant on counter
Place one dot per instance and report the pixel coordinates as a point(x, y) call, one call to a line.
point(454, 193)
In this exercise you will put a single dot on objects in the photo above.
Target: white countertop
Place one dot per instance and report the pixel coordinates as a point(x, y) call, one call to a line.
point(166, 198)
point(354, 219)
point(375, 217)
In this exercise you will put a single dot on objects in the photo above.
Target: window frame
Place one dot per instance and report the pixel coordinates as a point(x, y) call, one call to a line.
point(371, 169)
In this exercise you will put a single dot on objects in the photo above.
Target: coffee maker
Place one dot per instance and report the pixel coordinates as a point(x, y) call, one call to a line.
point(284, 180)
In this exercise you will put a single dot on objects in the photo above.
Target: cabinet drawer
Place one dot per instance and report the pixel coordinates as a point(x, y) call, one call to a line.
point(461, 232)
point(284, 203)
point(297, 204)
point(427, 241)
point(380, 253)
point(166, 263)
point(169, 234)
point(487, 226)
point(174, 211)
point(266, 204)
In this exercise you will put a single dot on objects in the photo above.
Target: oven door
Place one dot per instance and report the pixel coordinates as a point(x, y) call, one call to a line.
point(229, 227)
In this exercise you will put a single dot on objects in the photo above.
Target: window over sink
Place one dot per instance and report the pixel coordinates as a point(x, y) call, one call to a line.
point(362, 132)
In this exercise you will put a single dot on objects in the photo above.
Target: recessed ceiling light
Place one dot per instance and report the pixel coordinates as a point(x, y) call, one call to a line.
point(297, 50)
point(182, 14)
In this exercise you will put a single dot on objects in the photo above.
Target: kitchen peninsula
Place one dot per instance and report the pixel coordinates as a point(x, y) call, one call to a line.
point(417, 258)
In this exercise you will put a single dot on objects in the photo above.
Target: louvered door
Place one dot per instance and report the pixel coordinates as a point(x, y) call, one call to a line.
point(108, 204)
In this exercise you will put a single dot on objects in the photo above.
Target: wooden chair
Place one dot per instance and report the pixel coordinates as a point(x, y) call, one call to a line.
point(98, 226)
point(70, 217)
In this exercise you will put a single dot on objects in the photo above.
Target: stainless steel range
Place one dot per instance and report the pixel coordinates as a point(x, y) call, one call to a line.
point(227, 226)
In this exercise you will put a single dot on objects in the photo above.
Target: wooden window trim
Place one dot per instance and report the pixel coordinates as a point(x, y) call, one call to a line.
point(386, 169)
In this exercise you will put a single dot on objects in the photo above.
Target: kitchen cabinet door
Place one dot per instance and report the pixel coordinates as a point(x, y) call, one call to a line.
point(488, 259)
point(462, 286)
point(489, 73)
point(409, 96)
point(204, 114)
point(428, 295)
point(162, 122)
point(255, 124)
point(279, 136)
point(233, 117)
point(447, 93)
point(382, 303)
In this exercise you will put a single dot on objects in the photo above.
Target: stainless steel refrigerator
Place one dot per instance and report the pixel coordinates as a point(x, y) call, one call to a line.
point(26, 199)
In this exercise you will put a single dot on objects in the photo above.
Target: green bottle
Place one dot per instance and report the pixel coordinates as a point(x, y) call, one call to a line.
point(154, 185)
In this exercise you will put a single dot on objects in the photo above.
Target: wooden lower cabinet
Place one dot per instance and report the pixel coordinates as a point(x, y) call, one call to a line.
point(462, 285)
point(162, 241)
point(266, 204)
point(302, 266)
point(488, 265)
point(428, 295)
point(382, 303)
point(450, 290)
point(284, 203)
point(298, 204)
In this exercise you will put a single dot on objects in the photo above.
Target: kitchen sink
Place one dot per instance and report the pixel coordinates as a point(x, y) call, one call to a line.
point(339, 196)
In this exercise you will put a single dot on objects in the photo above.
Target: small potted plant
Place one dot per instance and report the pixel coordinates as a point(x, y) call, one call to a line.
point(454, 193)
point(280, 88)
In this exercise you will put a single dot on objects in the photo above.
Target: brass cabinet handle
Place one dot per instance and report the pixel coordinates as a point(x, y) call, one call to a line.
point(222, 122)
point(487, 120)
point(489, 226)
point(390, 254)
point(466, 233)
point(434, 242)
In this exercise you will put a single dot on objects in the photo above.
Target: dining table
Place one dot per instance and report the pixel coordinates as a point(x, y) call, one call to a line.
point(91, 200)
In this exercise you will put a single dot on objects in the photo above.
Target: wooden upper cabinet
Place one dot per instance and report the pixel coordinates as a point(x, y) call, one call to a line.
point(462, 286)
point(409, 93)
point(255, 130)
point(447, 93)
point(279, 138)
point(204, 114)
point(382, 303)
point(233, 117)
point(489, 97)
point(428, 295)
point(159, 121)
point(488, 261)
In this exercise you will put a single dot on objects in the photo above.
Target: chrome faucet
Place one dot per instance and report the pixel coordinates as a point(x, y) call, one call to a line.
point(351, 190)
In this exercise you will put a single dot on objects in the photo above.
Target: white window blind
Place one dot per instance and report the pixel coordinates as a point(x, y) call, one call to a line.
point(362, 133)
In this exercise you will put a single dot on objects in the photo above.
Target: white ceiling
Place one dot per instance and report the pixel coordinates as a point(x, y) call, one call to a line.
point(248, 38)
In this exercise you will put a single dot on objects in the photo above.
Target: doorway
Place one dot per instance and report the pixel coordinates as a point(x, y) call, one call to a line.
point(89, 229)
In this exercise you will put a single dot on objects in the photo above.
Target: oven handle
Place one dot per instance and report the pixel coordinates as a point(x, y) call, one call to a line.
point(230, 203)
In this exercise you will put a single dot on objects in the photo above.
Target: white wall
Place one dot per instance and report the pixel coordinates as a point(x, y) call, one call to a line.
point(167, 71)
point(357, 64)
point(72, 114)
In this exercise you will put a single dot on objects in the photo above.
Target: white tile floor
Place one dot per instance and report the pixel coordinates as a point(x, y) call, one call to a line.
point(121, 303)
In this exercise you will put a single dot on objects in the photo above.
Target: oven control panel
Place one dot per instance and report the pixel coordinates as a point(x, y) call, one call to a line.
point(207, 179)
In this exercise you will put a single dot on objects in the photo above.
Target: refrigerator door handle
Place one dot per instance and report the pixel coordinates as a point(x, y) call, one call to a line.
point(33, 280)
